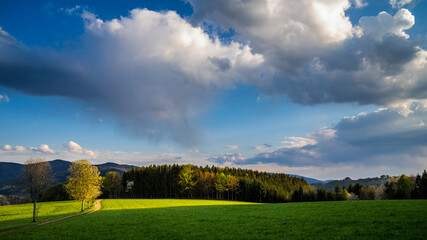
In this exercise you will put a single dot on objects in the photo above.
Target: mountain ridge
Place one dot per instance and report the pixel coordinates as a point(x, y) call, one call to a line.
point(11, 174)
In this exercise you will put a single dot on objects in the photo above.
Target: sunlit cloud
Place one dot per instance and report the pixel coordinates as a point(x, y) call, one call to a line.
point(76, 148)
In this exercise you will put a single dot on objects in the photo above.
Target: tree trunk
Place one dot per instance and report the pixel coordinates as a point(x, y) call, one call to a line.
point(83, 205)
point(35, 211)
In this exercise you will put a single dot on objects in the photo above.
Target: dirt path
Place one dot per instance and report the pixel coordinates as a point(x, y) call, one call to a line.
point(96, 208)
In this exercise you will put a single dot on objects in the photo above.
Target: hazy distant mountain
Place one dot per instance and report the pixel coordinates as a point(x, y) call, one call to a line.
point(9, 171)
point(109, 166)
point(347, 181)
point(11, 174)
point(311, 180)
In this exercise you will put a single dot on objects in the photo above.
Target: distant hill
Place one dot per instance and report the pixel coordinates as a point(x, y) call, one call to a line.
point(9, 170)
point(11, 174)
point(347, 181)
point(311, 180)
point(110, 166)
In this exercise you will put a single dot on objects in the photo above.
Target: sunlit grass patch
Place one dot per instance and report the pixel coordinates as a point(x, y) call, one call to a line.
point(116, 204)
point(18, 215)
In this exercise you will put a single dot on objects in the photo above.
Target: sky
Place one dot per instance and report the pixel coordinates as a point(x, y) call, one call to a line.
point(320, 88)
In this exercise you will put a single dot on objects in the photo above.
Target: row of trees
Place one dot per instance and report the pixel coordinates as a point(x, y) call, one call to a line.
point(402, 187)
point(405, 187)
point(188, 181)
point(83, 184)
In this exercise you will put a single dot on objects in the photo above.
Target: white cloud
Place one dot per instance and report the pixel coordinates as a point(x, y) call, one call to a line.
point(232, 147)
point(45, 148)
point(72, 10)
point(76, 148)
point(4, 97)
point(280, 21)
point(73, 147)
point(377, 27)
point(258, 148)
point(7, 147)
point(20, 148)
point(90, 153)
point(227, 157)
point(399, 3)
point(297, 142)
point(360, 3)
point(262, 148)
point(287, 32)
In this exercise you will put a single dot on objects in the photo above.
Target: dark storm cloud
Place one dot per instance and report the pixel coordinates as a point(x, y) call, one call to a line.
point(386, 137)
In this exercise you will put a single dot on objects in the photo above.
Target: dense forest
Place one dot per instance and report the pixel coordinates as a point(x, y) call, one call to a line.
point(188, 181)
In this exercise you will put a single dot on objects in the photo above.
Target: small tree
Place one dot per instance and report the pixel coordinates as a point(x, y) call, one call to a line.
point(37, 174)
point(404, 187)
point(187, 179)
point(84, 184)
point(221, 183)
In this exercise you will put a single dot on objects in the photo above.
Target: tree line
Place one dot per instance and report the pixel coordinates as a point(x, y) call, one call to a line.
point(401, 187)
point(189, 181)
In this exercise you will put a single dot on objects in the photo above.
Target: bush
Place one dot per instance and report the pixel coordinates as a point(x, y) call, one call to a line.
point(367, 193)
point(55, 193)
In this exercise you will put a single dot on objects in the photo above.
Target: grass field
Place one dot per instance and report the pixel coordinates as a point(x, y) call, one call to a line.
point(19, 215)
point(201, 219)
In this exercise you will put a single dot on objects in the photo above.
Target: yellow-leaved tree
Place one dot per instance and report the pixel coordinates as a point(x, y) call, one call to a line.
point(84, 184)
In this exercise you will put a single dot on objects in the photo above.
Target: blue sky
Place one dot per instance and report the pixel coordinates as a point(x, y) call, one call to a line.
point(324, 89)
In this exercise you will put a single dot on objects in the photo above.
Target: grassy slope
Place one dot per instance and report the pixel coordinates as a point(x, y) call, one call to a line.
point(183, 219)
point(19, 215)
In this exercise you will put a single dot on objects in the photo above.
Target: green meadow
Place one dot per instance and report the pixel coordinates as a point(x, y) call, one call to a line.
point(19, 215)
point(204, 219)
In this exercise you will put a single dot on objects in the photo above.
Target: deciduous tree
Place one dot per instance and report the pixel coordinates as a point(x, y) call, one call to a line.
point(187, 179)
point(404, 187)
point(84, 184)
point(37, 174)
point(221, 183)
